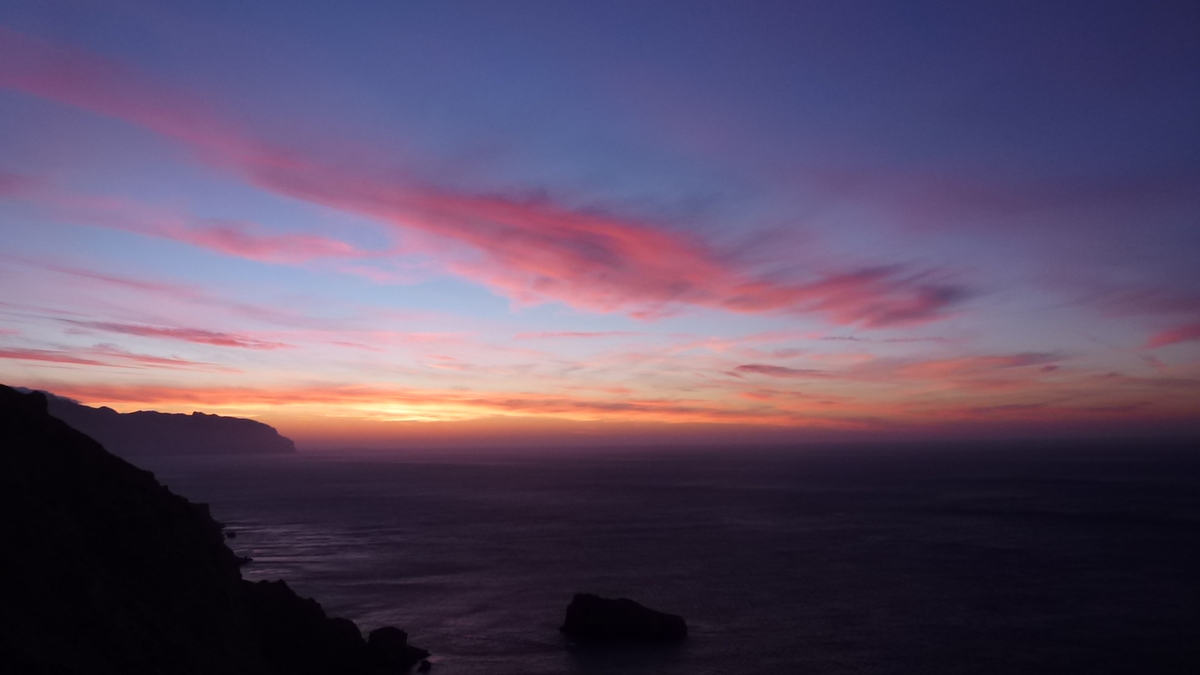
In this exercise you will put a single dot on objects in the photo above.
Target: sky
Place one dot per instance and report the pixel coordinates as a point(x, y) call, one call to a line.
point(380, 224)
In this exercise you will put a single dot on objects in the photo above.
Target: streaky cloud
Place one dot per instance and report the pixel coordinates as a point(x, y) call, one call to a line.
point(1185, 333)
point(185, 294)
point(550, 335)
point(781, 371)
point(108, 356)
point(196, 335)
point(530, 250)
point(232, 237)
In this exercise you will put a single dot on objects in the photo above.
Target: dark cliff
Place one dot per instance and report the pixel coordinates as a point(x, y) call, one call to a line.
point(103, 571)
point(147, 432)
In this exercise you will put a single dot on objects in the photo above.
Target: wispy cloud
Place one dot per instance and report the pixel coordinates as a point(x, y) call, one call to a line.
point(1184, 333)
point(1166, 305)
point(1146, 300)
point(181, 293)
point(17, 185)
point(109, 356)
point(554, 335)
point(977, 365)
point(236, 238)
point(528, 249)
point(782, 371)
point(48, 356)
point(196, 335)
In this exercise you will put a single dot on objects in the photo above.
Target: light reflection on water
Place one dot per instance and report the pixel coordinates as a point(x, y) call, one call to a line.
point(802, 564)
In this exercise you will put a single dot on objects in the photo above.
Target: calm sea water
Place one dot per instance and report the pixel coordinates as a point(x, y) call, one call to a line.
point(961, 560)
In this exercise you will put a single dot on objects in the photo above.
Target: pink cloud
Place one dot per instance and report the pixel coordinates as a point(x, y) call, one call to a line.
point(76, 77)
point(575, 334)
point(118, 354)
point(106, 355)
point(237, 238)
point(975, 365)
point(16, 185)
point(1184, 333)
point(48, 356)
point(186, 294)
point(184, 334)
point(984, 371)
point(529, 250)
point(781, 371)
point(246, 240)
point(1147, 300)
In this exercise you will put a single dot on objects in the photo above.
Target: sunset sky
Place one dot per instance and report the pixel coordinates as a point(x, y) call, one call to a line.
point(398, 223)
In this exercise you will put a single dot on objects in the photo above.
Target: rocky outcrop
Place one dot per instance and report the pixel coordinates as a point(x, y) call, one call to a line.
point(596, 619)
point(147, 432)
point(389, 648)
point(299, 639)
point(105, 571)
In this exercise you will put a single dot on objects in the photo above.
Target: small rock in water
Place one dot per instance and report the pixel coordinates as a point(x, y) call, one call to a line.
point(593, 618)
point(390, 651)
point(424, 667)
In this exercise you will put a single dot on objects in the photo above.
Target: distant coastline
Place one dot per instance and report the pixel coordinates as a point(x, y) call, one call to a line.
point(148, 433)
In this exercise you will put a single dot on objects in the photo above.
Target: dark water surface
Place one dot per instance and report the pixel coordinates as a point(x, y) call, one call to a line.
point(968, 560)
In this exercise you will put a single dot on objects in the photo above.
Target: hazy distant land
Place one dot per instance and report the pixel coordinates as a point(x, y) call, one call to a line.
point(147, 432)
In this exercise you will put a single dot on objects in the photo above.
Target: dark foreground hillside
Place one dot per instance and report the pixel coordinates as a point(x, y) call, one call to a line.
point(105, 571)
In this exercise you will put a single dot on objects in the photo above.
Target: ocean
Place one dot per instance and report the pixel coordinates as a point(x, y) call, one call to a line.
point(951, 559)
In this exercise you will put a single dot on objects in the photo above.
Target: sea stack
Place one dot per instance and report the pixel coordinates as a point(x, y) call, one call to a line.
point(592, 618)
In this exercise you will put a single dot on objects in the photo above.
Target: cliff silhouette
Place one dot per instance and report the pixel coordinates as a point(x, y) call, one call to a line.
point(147, 432)
point(103, 570)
